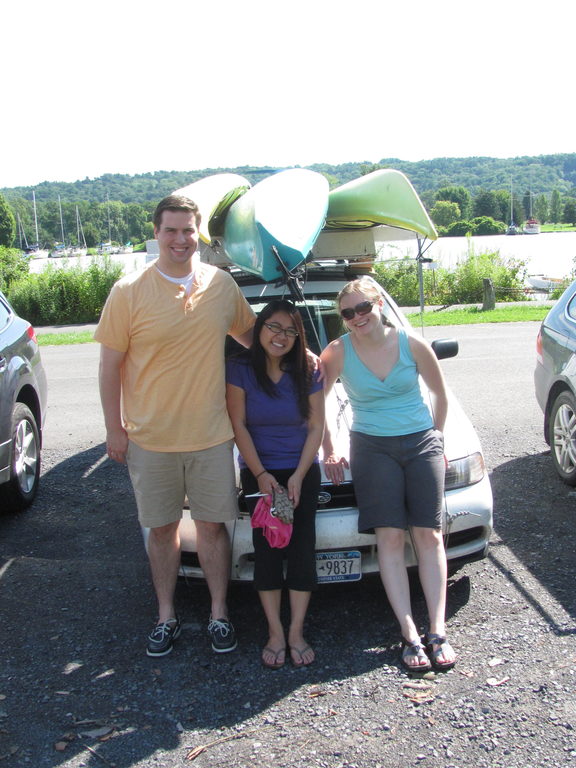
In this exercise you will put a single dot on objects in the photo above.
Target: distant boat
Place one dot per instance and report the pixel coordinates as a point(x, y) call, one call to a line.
point(544, 284)
point(80, 249)
point(60, 250)
point(531, 226)
point(32, 250)
point(512, 229)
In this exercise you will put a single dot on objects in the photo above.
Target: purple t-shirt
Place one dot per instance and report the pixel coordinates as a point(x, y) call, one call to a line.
point(275, 423)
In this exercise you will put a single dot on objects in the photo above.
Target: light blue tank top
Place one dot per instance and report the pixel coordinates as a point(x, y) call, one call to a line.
point(394, 406)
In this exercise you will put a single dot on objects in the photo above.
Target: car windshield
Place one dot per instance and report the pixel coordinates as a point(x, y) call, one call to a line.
point(321, 321)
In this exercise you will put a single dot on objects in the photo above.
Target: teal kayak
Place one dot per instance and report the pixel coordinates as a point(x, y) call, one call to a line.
point(279, 218)
point(381, 197)
point(214, 195)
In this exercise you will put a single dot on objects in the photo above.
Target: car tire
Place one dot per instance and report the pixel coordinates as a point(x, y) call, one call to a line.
point(562, 436)
point(19, 492)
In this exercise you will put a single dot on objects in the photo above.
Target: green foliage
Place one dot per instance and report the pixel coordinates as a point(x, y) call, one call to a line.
point(459, 229)
point(542, 209)
point(7, 224)
point(485, 225)
point(400, 279)
point(13, 266)
point(445, 213)
point(65, 295)
point(486, 203)
point(569, 214)
point(507, 277)
point(459, 195)
point(464, 285)
point(555, 206)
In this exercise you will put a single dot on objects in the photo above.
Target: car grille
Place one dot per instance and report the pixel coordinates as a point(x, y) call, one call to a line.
point(330, 497)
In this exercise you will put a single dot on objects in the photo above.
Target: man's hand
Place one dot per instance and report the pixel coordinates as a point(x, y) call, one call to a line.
point(117, 445)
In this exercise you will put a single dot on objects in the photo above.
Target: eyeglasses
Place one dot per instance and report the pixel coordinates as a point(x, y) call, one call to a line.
point(290, 333)
point(360, 309)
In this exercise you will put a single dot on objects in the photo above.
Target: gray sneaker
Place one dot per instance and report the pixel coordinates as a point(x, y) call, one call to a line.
point(161, 639)
point(222, 635)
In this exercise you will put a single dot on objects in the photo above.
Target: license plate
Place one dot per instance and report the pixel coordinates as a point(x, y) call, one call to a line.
point(338, 566)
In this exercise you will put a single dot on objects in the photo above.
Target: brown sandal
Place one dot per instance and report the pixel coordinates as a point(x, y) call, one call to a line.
point(430, 641)
point(414, 649)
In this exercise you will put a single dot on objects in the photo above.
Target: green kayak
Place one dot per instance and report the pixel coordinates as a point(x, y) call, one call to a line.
point(381, 197)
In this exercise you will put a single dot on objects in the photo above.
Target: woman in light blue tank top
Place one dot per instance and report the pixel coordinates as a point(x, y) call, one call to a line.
point(396, 458)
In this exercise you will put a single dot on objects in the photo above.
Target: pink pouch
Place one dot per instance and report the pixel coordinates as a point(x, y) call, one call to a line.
point(276, 532)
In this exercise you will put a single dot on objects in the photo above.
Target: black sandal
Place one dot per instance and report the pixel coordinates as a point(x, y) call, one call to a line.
point(430, 641)
point(414, 648)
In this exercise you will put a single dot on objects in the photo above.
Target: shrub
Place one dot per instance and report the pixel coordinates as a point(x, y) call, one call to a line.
point(507, 277)
point(463, 285)
point(459, 229)
point(13, 266)
point(486, 225)
point(63, 295)
point(400, 279)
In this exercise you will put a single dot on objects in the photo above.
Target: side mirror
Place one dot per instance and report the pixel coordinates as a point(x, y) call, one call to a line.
point(444, 348)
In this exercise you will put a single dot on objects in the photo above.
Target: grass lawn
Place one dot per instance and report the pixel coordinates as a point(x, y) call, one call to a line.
point(67, 337)
point(513, 314)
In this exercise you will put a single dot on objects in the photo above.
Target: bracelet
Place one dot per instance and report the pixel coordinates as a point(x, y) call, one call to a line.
point(260, 473)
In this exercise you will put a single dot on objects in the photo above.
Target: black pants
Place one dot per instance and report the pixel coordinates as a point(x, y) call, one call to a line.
point(300, 552)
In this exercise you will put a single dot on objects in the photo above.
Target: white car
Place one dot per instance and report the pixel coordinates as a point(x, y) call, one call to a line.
point(343, 554)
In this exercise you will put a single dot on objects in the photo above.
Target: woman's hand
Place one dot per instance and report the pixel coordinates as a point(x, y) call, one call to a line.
point(267, 483)
point(334, 467)
point(294, 487)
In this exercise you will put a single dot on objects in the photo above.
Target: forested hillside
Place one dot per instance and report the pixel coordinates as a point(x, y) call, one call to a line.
point(541, 174)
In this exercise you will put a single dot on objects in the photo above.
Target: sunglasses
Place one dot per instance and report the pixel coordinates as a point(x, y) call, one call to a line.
point(360, 309)
point(290, 333)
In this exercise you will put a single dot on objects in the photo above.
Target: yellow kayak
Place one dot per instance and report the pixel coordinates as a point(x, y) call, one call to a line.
point(214, 195)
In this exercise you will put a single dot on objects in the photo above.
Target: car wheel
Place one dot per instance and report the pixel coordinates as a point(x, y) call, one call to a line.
point(563, 436)
point(19, 492)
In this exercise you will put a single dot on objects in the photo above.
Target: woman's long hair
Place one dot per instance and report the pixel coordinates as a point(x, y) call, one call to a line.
point(295, 362)
point(372, 290)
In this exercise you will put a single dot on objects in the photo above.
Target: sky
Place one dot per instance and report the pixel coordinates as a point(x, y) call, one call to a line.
point(137, 87)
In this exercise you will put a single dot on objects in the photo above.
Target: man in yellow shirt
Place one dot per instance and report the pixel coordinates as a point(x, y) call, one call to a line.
point(162, 387)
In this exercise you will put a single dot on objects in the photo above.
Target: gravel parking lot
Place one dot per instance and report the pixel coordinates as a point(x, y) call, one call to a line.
point(76, 688)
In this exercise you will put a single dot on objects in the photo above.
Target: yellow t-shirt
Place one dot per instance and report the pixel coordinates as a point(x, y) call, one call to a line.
point(173, 374)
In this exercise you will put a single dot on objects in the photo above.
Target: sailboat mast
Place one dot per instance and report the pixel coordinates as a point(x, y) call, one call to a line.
point(511, 203)
point(35, 218)
point(109, 223)
point(61, 220)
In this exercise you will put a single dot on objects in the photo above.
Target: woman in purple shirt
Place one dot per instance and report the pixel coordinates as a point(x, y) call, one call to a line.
point(276, 405)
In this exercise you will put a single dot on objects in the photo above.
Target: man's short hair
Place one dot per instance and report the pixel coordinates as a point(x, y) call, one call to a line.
point(175, 203)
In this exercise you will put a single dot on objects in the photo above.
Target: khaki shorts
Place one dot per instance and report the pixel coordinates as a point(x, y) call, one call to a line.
point(162, 480)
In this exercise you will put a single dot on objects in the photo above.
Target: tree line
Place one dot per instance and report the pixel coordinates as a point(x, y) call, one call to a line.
point(461, 195)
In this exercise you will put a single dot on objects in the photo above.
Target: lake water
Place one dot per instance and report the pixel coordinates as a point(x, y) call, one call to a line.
point(550, 253)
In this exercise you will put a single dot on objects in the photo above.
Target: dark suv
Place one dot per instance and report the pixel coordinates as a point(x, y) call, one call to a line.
point(22, 408)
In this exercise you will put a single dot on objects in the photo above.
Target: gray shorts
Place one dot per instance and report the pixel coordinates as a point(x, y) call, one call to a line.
point(399, 481)
point(162, 480)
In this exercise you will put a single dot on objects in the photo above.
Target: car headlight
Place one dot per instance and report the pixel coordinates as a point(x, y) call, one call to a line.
point(466, 471)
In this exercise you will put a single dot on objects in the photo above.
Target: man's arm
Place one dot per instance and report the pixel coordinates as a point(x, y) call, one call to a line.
point(246, 338)
point(110, 380)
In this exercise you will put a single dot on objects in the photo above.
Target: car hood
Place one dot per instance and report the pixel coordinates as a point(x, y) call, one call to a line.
point(460, 437)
